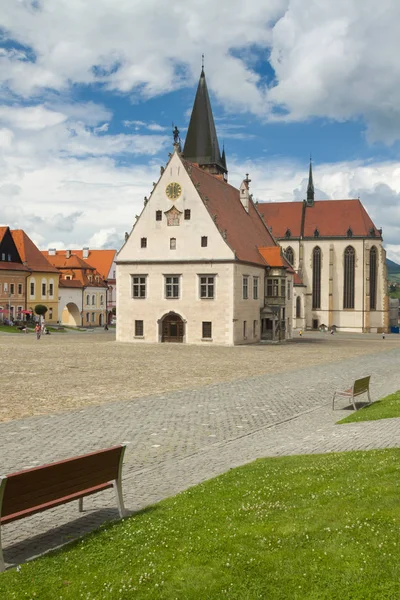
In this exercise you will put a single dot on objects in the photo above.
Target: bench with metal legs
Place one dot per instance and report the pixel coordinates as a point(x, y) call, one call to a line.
point(360, 386)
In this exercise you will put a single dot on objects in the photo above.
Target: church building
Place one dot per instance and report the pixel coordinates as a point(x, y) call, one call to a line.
point(200, 265)
point(338, 255)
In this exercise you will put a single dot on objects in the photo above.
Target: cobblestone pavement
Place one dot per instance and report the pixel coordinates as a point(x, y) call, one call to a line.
point(180, 438)
point(73, 370)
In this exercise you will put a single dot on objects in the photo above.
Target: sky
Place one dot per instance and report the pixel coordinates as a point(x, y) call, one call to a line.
point(89, 91)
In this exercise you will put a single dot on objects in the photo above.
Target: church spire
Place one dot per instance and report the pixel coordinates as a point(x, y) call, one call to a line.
point(201, 144)
point(310, 187)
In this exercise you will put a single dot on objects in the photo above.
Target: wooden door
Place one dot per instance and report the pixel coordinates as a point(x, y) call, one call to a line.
point(172, 329)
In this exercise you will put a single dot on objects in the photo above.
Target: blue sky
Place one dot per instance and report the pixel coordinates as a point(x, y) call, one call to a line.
point(89, 91)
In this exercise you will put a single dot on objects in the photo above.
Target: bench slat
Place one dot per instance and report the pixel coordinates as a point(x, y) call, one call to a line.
point(43, 485)
point(40, 508)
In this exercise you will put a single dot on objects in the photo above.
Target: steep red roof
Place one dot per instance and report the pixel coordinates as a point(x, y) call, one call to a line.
point(12, 266)
point(244, 230)
point(30, 254)
point(332, 218)
point(274, 257)
point(76, 267)
point(2, 232)
point(101, 260)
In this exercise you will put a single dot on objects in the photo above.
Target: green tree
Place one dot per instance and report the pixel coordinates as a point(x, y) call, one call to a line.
point(41, 310)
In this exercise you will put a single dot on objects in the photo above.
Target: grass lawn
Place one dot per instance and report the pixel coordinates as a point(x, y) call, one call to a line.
point(386, 408)
point(10, 329)
point(303, 527)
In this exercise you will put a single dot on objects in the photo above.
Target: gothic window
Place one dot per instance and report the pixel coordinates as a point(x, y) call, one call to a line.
point(289, 255)
point(316, 278)
point(158, 215)
point(349, 277)
point(372, 278)
point(298, 307)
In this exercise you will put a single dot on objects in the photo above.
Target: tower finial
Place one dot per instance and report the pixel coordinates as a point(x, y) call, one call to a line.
point(202, 63)
point(310, 186)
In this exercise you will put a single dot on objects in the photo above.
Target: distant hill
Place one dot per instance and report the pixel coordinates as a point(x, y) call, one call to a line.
point(393, 270)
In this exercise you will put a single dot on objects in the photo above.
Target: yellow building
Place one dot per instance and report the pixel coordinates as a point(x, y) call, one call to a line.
point(42, 284)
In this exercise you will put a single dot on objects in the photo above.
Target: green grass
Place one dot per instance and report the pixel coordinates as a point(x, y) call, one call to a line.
point(9, 329)
point(290, 528)
point(386, 408)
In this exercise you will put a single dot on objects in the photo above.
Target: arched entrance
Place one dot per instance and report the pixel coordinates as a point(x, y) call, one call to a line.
point(71, 315)
point(172, 328)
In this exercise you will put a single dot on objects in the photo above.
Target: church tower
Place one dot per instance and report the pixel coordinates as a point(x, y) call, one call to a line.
point(310, 187)
point(201, 144)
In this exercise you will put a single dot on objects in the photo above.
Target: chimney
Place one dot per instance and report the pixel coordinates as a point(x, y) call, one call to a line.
point(68, 254)
point(244, 192)
point(52, 251)
point(85, 252)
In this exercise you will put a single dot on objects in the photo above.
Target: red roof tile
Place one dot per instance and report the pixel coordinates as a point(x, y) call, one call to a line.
point(2, 232)
point(75, 266)
point(12, 266)
point(332, 218)
point(30, 254)
point(244, 230)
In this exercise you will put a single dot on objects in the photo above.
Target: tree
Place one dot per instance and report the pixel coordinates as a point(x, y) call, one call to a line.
point(40, 309)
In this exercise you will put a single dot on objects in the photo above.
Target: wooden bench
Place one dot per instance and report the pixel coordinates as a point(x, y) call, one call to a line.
point(34, 490)
point(360, 386)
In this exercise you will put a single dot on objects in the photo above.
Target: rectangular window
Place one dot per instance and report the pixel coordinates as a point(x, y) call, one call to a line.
point(204, 241)
point(158, 215)
point(283, 288)
point(245, 288)
point(87, 317)
point(51, 289)
point(93, 317)
point(139, 329)
point(32, 288)
point(207, 286)
point(269, 288)
point(255, 325)
point(9, 258)
point(3, 256)
point(43, 289)
point(275, 288)
point(20, 288)
point(6, 287)
point(255, 288)
point(187, 214)
point(143, 242)
point(172, 286)
point(139, 286)
point(245, 329)
point(288, 290)
point(207, 330)
point(172, 244)
point(12, 289)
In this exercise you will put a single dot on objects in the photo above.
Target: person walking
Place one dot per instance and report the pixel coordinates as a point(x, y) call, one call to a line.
point(38, 330)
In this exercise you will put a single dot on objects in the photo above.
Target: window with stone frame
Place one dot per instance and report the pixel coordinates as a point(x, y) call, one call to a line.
point(245, 329)
point(20, 288)
point(12, 289)
point(316, 278)
point(43, 289)
point(289, 253)
point(206, 330)
point(245, 287)
point(255, 288)
point(143, 242)
point(349, 277)
point(87, 299)
point(51, 289)
point(207, 286)
point(158, 215)
point(139, 328)
point(172, 244)
point(204, 241)
point(172, 286)
point(187, 214)
point(32, 288)
point(139, 283)
point(283, 288)
point(373, 264)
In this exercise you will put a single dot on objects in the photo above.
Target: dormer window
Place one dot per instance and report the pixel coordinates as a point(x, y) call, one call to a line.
point(316, 232)
point(349, 232)
point(288, 233)
point(143, 242)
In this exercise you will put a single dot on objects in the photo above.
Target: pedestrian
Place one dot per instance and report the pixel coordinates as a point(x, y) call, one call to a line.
point(301, 333)
point(106, 327)
point(383, 335)
point(38, 331)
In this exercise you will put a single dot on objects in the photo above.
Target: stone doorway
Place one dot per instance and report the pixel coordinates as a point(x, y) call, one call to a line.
point(172, 328)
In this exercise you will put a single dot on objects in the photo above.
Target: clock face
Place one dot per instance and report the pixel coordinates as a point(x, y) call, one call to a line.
point(173, 191)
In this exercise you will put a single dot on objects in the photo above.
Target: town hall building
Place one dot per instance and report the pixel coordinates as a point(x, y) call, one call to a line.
point(203, 262)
